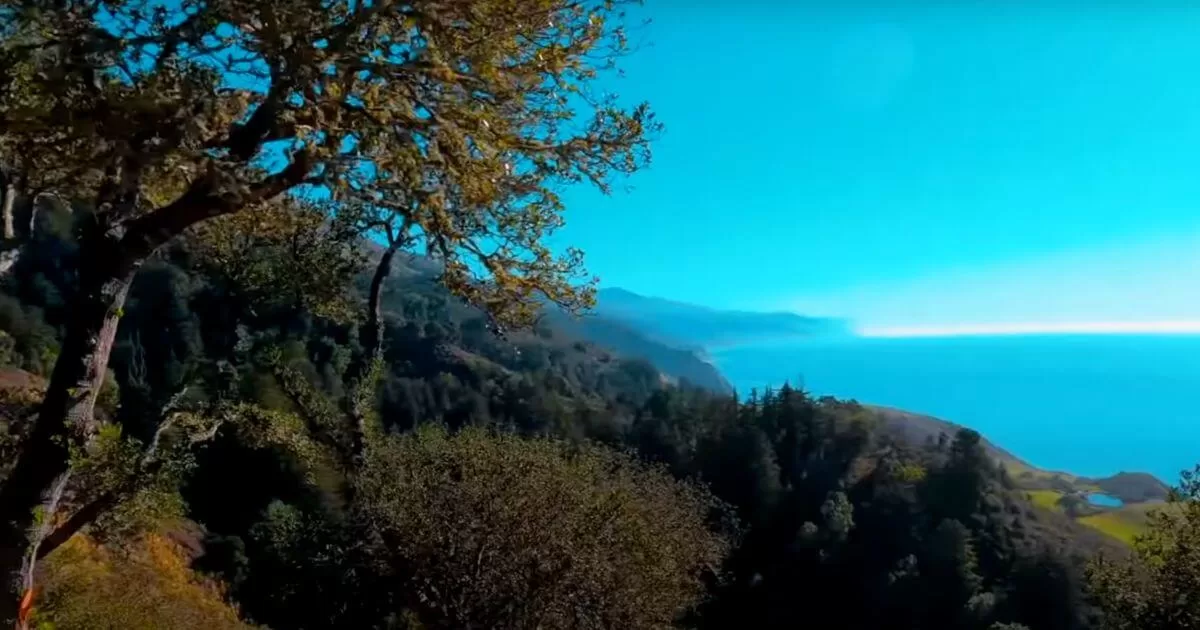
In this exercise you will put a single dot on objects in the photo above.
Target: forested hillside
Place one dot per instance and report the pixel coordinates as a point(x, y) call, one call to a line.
point(823, 502)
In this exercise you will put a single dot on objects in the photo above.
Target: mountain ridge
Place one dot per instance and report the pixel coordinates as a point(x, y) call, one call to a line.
point(679, 365)
point(697, 327)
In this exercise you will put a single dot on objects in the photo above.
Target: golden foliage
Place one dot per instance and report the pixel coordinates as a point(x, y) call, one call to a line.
point(500, 531)
point(456, 123)
point(144, 585)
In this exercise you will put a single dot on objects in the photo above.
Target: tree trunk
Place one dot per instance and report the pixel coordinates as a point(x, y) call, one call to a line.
point(8, 260)
point(66, 417)
point(110, 255)
point(10, 199)
point(77, 521)
point(373, 337)
point(373, 347)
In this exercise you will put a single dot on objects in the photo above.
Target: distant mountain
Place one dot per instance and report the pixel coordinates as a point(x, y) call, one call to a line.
point(695, 327)
point(675, 336)
point(671, 336)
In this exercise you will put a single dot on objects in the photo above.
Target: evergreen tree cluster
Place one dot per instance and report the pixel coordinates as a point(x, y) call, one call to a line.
point(818, 502)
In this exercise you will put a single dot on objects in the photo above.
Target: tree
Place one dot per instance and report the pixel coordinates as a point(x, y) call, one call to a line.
point(458, 120)
point(952, 573)
point(738, 463)
point(958, 488)
point(1159, 587)
point(498, 531)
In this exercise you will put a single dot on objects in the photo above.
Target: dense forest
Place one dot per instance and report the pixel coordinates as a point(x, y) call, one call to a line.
point(285, 345)
point(811, 500)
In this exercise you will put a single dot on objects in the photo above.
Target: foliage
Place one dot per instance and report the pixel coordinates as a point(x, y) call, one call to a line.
point(1159, 587)
point(830, 508)
point(111, 467)
point(447, 128)
point(498, 531)
point(286, 254)
point(904, 536)
point(453, 125)
point(144, 585)
point(32, 341)
point(459, 121)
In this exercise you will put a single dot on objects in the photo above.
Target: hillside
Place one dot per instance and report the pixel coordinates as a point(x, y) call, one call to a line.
point(597, 357)
point(697, 327)
point(1057, 492)
point(221, 407)
point(680, 365)
point(608, 334)
point(826, 504)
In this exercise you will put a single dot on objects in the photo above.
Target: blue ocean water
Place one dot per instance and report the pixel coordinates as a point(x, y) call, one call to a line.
point(1092, 405)
point(1104, 500)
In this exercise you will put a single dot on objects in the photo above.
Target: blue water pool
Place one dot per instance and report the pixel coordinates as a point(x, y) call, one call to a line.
point(1104, 500)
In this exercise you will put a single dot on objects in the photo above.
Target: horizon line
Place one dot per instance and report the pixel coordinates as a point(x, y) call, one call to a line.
point(1174, 327)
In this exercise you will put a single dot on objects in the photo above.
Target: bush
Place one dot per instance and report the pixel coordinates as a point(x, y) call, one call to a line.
point(146, 584)
point(499, 531)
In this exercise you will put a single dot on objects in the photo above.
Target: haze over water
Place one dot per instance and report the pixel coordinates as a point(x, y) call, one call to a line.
point(1089, 404)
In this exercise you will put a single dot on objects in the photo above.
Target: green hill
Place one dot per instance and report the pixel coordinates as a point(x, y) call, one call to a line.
point(1052, 491)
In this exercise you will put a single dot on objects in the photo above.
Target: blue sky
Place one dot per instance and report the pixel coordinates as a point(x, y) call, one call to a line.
point(920, 166)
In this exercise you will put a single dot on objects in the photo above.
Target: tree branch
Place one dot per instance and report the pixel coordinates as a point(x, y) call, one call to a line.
point(84, 515)
point(206, 199)
point(149, 465)
point(314, 410)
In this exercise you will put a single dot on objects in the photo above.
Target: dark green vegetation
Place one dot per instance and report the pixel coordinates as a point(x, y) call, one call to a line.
point(449, 128)
point(828, 502)
point(1060, 492)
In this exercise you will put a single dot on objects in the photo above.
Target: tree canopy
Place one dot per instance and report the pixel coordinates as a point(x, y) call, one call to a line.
point(457, 121)
point(442, 127)
point(1160, 586)
point(205, 184)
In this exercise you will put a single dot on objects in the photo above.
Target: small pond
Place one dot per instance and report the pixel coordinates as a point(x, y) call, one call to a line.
point(1104, 500)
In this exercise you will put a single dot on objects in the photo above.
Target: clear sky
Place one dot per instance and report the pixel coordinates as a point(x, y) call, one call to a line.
point(913, 164)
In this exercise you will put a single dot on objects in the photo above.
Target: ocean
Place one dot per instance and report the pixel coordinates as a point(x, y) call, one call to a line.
point(1092, 405)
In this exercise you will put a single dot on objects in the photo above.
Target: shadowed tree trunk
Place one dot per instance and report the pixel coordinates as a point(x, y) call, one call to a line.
point(110, 256)
point(67, 412)
point(10, 249)
point(373, 330)
point(373, 349)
